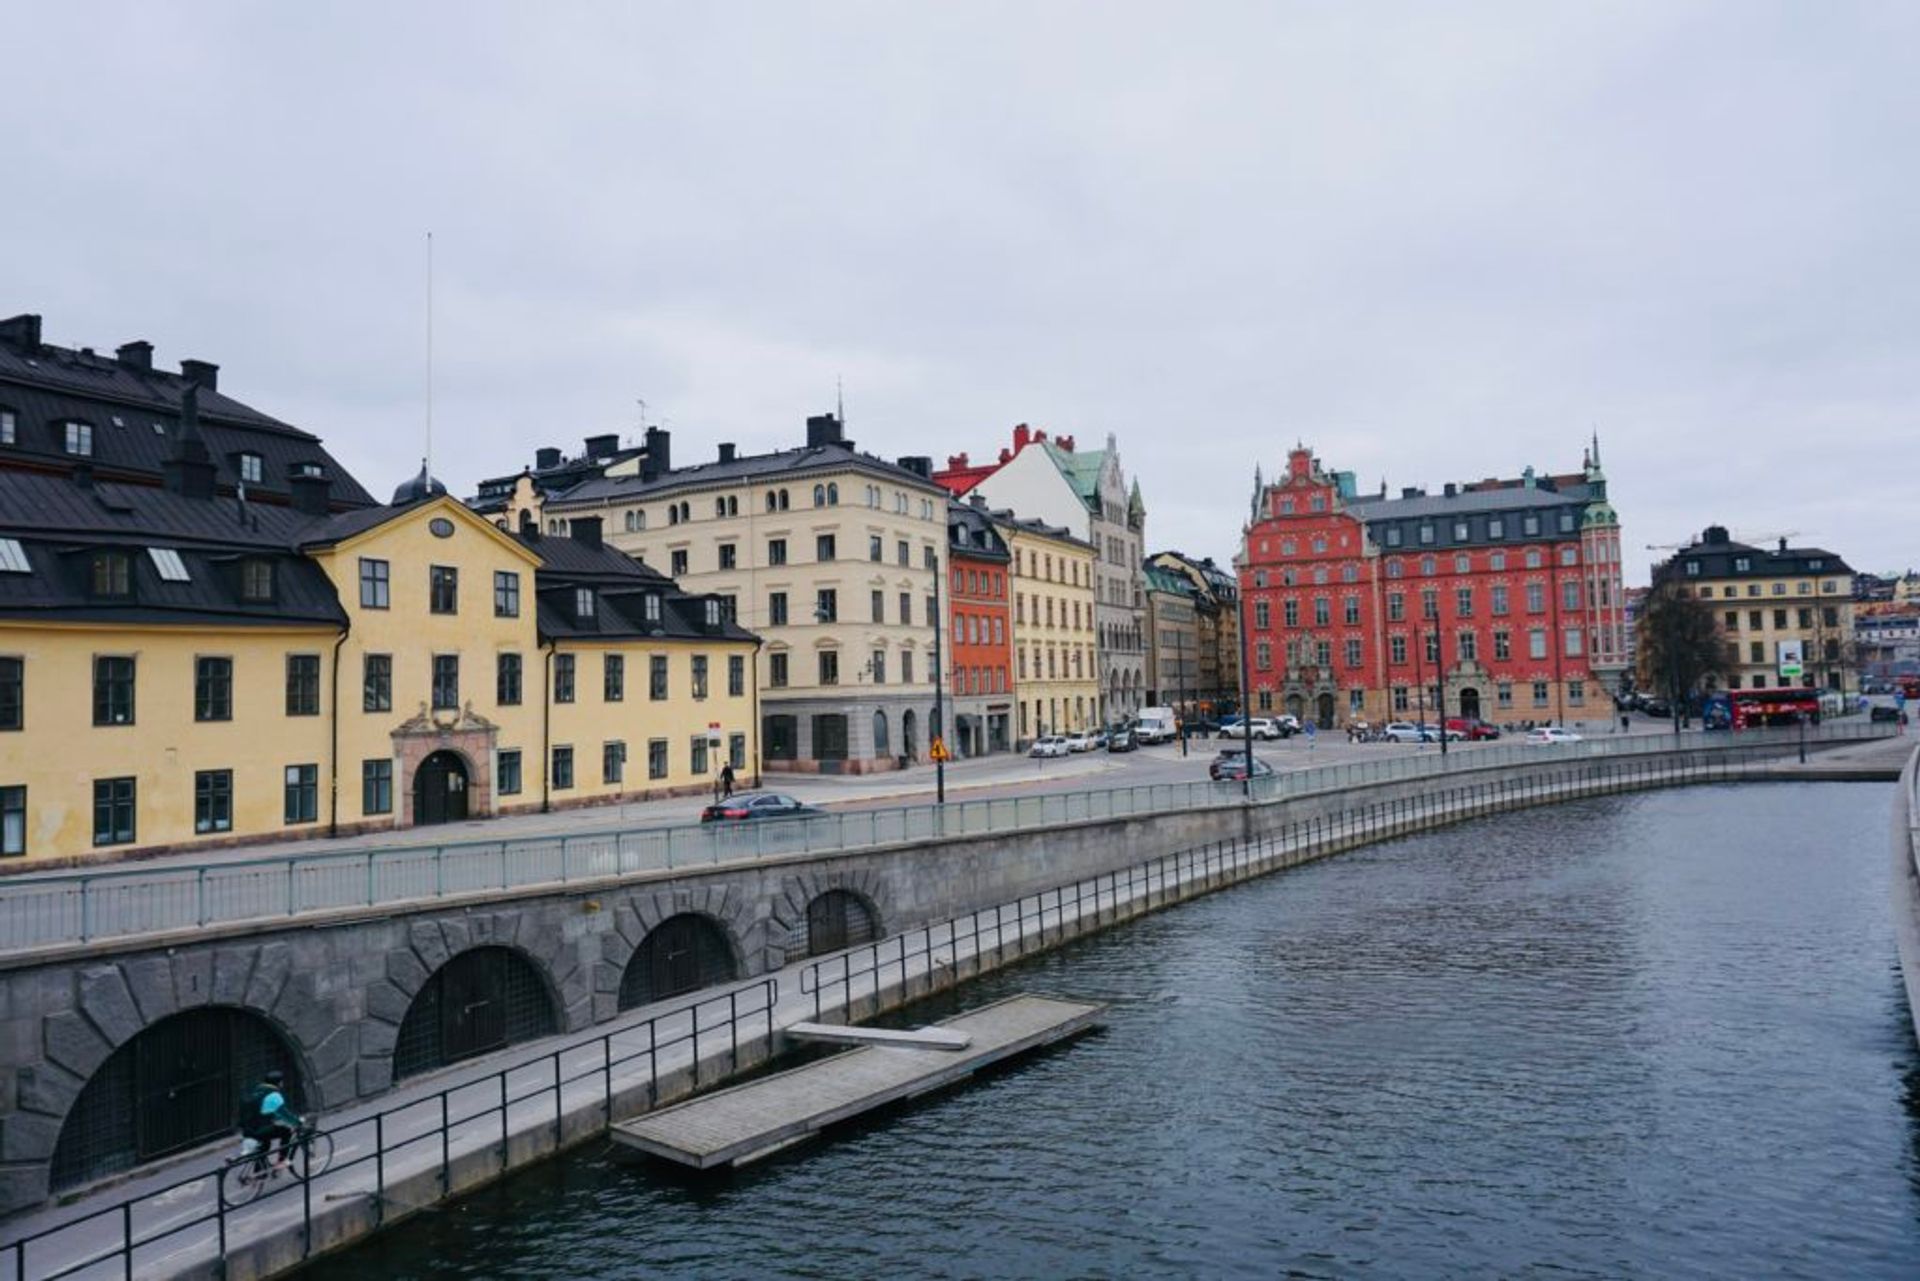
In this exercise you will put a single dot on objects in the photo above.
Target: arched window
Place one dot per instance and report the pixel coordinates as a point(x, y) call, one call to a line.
point(838, 919)
point(682, 954)
point(819, 495)
point(171, 1087)
point(484, 999)
point(783, 500)
point(719, 507)
point(880, 734)
point(833, 494)
point(773, 503)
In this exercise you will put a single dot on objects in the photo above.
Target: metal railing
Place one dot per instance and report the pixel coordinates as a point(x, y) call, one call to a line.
point(376, 1141)
point(54, 911)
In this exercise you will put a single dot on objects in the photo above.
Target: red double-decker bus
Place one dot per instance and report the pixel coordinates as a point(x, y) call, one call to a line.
point(1753, 707)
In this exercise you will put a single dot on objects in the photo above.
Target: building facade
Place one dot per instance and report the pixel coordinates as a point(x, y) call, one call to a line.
point(1497, 599)
point(1173, 641)
point(979, 660)
point(1215, 593)
point(1786, 612)
point(828, 554)
point(1056, 658)
point(1088, 493)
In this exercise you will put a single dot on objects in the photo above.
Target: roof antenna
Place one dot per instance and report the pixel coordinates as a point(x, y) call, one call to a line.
point(427, 462)
point(839, 401)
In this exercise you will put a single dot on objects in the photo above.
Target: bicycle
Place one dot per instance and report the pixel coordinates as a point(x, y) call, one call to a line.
point(308, 1153)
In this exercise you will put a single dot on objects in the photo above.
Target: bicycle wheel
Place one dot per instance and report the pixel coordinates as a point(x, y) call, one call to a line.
point(311, 1159)
point(241, 1182)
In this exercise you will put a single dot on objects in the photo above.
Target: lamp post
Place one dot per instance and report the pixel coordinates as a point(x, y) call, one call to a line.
point(1440, 690)
point(1246, 709)
point(1420, 680)
point(939, 663)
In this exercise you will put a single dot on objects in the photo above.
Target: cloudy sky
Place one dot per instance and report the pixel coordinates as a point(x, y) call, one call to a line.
point(1433, 241)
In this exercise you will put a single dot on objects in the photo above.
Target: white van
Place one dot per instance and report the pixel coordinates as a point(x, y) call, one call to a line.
point(1157, 725)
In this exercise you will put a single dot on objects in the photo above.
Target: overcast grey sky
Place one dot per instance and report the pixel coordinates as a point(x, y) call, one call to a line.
point(1433, 241)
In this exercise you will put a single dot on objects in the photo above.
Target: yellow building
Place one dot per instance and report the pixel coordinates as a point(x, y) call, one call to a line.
point(1056, 665)
point(1786, 613)
point(180, 668)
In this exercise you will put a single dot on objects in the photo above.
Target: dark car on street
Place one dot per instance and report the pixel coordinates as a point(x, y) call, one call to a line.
point(1233, 768)
point(1121, 740)
point(748, 807)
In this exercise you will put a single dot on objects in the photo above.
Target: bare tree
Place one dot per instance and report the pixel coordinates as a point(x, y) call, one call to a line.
point(1680, 645)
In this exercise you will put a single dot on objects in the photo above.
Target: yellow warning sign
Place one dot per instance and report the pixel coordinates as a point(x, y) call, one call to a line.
point(939, 752)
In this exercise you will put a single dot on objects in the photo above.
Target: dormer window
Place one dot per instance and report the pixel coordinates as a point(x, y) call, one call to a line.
point(9, 428)
point(310, 470)
point(251, 468)
point(713, 612)
point(13, 557)
point(583, 602)
point(653, 607)
point(256, 580)
point(79, 439)
point(1742, 564)
point(110, 575)
point(169, 565)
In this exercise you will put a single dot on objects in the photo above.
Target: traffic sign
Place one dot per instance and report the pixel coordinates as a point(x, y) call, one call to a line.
point(938, 752)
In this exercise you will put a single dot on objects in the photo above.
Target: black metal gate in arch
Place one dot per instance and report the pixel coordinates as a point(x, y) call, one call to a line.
point(838, 919)
point(682, 954)
point(482, 1000)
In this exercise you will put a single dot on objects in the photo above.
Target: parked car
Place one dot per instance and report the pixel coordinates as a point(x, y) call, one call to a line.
point(752, 806)
point(1659, 707)
point(1472, 728)
point(1544, 734)
point(1079, 741)
point(1407, 732)
point(1098, 740)
point(1232, 768)
point(1156, 725)
point(1287, 724)
point(1433, 732)
point(1121, 740)
point(1229, 726)
point(1049, 745)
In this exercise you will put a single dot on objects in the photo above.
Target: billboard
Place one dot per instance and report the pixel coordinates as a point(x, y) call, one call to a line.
point(1792, 658)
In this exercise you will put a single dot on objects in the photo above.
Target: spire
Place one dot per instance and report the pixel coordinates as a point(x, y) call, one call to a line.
point(1596, 446)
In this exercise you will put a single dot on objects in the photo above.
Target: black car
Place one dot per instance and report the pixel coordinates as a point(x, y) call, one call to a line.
point(1232, 768)
point(750, 806)
point(1121, 740)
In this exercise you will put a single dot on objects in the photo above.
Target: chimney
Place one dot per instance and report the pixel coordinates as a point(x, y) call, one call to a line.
point(978, 500)
point(1065, 442)
point(546, 458)
point(1410, 491)
point(137, 354)
point(1783, 544)
point(602, 446)
point(585, 530)
point(1715, 535)
point(307, 482)
point(659, 446)
point(823, 429)
point(188, 469)
point(1451, 489)
point(726, 451)
point(919, 464)
point(201, 372)
point(957, 462)
point(1022, 434)
point(21, 331)
point(1006, 455)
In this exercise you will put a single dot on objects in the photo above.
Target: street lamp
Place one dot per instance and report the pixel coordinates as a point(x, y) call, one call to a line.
point(939, 664)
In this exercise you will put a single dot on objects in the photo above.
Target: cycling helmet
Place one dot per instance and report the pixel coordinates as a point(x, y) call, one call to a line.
point(275, 1077)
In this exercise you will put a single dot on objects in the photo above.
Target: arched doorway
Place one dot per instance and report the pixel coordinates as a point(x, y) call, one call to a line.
point(909, 740)
point(440, 789)
point(682, 954)
point(1296, 706)
point(1323, 711)
point(1470, 704)
point(483, 999)
point(880, 747)
point(172, 1086)
point(838, 919)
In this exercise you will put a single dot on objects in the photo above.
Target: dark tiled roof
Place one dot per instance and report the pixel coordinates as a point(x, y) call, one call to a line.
point(36, 504)
point(135, 415)
point(1506, 498)
point(1718, 560)
point(621, 585)
point(1007, 520)
point(797, 463)
point(971, 532)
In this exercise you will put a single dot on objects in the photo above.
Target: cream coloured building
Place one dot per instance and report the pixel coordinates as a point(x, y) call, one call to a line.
point(831, 556)
point(1056, 659)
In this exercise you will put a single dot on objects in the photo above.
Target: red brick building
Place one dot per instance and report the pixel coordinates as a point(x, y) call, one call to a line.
point(1503, 597)
point(979, 643)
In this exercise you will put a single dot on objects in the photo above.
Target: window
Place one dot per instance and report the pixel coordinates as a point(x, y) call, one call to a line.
point(776, 551)
point(777, 669)
point(1540, 692)
point(878, 666)
point(1263, 655)
point(902, 553)
point(1396, 606)
point(302, 793)
point(1402, 702)
point(1397, 649)
point(113, 811)
point(1393, 535)
point(657, 677)
point(507, 773)
point(823, 547)
point(110, 575)
point(9, 428)
point(906, 666)
point(1469, 647)
point(212, 691)
point(829, 667)
point(303, 684)
point(656, 758)
point(777, 609)
point(1350, 611)
point(1463, 601)
point(256, 580)
point(1502, 644)
point(613, 677)
point(562, 768)
point(1536, 598)
point(13, 557)
point(729, 556)
point(931, 560)
point(563, 678)
point(446, 682)
point(613, 762)
point(677, 563)
point(374, 583)
point(1352, 653)
point(1290, 612)
point(506, 594)
point(506, 680)
point(376, 683)
point(1577, 692)
point(1530, 524)
point(443, 589)
point(876, 548)
point(1430, 643)
point(376, 786)
point(113, 691)
point(906, 609)
point(1262, 617)
point(80, 444)
point(1536, 642)
point(699, 678)
point(1426, 534)
point(737, 751)
point(826, 606)
point(1499, 606)
point(251, 468)
point(736, 676)
point(13, 820)
point(1322, 611)
point(213, 801)
point(879, 604)
point(1429, 602)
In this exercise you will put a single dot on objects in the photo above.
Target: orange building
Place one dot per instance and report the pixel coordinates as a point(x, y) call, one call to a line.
point(980, 632)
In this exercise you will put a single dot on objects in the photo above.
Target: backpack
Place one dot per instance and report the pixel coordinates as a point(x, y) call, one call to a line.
point(250, 1121)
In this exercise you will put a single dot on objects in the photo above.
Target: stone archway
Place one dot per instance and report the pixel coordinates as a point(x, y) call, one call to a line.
point(440, 789)
point(1323, 711)
point(1470, 704)
point(909, 738)
point(464, 737)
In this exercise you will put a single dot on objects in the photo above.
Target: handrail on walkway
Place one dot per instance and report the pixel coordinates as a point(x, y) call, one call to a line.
point(128, 902)
point(440, 1116)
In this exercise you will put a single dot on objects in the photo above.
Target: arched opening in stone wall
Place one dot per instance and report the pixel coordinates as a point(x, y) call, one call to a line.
point(484, 999)
point(682, 954)
point(440, 789)
point(1323, 711)
point(172, 1086)
point(839, 919)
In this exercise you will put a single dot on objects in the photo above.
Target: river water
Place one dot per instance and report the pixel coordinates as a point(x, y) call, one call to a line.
point(1645, 1036)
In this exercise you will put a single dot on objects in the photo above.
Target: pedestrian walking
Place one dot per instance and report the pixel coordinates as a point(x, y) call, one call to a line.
point(726, 780)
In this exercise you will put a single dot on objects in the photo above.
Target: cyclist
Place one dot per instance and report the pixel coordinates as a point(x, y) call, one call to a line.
point(266, 1120)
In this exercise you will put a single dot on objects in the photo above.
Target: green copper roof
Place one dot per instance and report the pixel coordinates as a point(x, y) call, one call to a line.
point(1081, 467)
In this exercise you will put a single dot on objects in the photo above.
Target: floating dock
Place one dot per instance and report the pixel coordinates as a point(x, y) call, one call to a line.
point(743, 1122)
